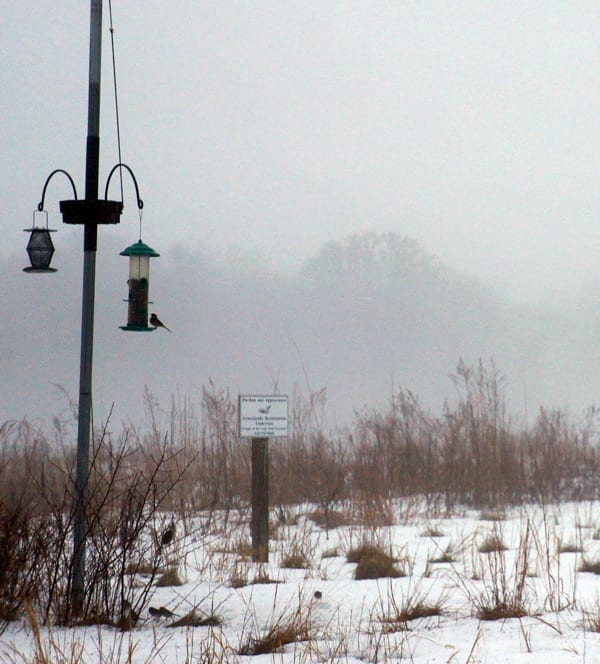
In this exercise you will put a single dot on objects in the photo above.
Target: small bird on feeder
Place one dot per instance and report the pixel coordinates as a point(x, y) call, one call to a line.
point(156, 322)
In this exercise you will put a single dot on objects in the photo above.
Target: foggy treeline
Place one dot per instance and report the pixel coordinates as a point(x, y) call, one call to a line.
point(362, 317)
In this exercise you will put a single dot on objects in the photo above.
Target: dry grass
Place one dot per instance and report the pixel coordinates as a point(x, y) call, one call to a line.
point(356, 554)
point(512, 608)
point(284, 629)
point(197, 464)
point(570, 547)
point(298, 548)
point(492, 515)
point(414, 608)
point(297, 560)
point(591, 566)
point(375, 567)
point(260, 579)
point(506, 596)
point(448, 555)
point(168, 579)
point(372, 562)
point(417, 611)
point(492, 543)
point(330, 519)
point(591, 618)
point(195, 619)
point(506, 593)
point(399, 607)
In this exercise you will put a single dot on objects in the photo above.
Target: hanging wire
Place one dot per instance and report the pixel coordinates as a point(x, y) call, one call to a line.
point(114, 69)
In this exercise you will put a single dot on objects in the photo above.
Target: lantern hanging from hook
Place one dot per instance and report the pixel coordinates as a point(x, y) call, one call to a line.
point(40, 247)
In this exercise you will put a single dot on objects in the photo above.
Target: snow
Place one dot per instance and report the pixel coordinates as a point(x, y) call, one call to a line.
point(350, 621)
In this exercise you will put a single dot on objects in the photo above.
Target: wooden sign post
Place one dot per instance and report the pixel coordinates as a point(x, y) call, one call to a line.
point(261, 417)
point(260, 500)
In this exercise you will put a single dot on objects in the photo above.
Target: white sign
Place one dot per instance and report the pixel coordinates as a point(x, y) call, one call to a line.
point(263, 416)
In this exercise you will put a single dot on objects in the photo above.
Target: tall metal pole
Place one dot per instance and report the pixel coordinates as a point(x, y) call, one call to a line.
point(87, 314)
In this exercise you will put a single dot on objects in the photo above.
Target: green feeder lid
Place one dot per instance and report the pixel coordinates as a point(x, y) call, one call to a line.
point(139, 249)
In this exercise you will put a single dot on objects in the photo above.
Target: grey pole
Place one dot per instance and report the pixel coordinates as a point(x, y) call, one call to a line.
point(87, 314)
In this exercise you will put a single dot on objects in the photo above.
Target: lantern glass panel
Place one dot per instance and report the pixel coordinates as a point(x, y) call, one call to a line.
point(139, 267)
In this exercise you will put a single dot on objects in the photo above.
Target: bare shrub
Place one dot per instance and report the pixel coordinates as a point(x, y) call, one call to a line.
point(473, 455)
point(21, 551)
point(393, 452)
point(374, 511)
point(223, 464)
point(308, 469)
point(128, 486)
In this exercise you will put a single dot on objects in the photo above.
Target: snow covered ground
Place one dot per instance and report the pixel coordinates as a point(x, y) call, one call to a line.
point(338, 618)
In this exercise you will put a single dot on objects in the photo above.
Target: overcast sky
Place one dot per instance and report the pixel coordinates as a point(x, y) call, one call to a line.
point(265, 129)
point(275, 126)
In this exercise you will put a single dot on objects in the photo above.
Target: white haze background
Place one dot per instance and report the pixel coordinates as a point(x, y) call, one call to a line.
point(262, 131)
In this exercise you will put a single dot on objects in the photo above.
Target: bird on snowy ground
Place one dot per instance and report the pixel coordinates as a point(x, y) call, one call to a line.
point(161, 612)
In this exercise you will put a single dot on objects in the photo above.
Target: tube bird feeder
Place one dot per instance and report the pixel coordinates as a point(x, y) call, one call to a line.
point(139, 282)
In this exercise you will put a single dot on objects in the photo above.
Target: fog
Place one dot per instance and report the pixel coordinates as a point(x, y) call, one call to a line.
point(265, 136)
point(361, 318)
point(277, 127)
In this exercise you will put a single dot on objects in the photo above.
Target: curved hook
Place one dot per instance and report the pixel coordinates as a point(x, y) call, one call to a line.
point(140, 202)
point(40, 206)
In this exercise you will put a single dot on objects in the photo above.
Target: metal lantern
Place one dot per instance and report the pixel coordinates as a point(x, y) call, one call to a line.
point(40, 247)
point(138, 282)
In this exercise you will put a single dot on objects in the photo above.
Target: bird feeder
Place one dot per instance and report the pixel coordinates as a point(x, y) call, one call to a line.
point(139, 281)
point(40, 248)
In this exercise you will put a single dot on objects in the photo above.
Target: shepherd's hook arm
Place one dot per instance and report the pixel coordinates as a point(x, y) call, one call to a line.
point(140, 202)
point(40, 206)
